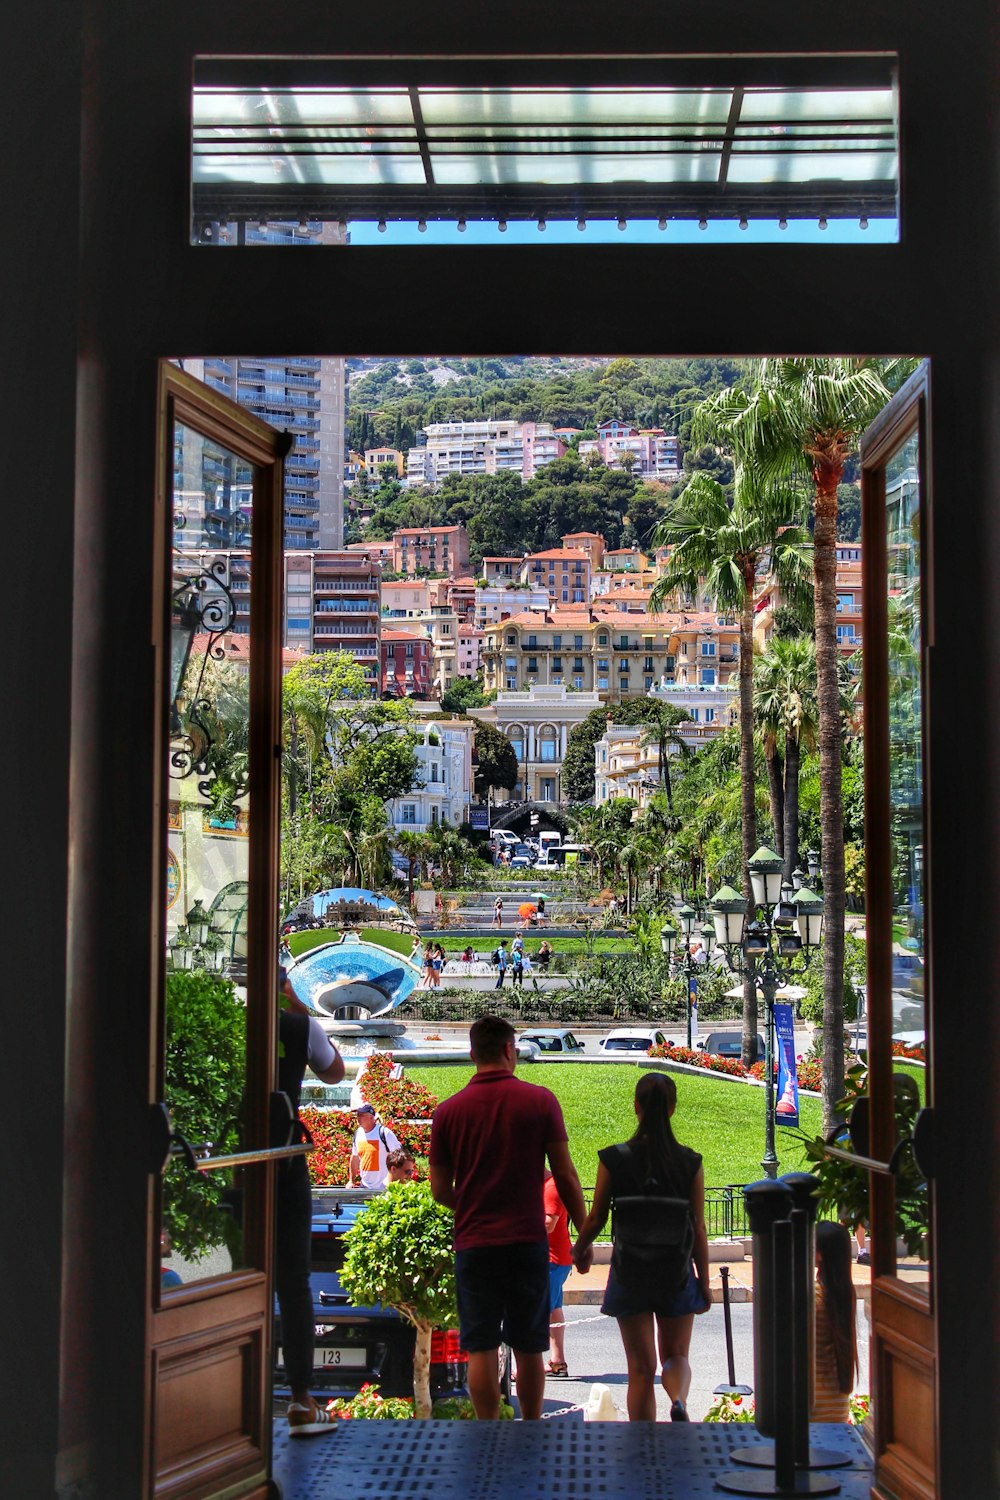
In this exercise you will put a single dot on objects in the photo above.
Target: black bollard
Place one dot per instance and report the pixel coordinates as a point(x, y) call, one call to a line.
point(732, 1389)
point(781, 1345)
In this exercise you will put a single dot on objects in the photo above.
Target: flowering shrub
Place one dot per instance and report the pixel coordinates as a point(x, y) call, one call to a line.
point(707, 1060)
point(730, 1409)
point(395, 1098)
point(809, 1072)
point(369, 1405)
point(900, 1049)
point(332, 1131)
point(740, 1409)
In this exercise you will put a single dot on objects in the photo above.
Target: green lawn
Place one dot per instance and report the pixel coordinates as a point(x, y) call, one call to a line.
point(574, 945)
point(724, 1121)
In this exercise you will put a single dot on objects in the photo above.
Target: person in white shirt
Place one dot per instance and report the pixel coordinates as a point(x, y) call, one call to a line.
point(372, 1144)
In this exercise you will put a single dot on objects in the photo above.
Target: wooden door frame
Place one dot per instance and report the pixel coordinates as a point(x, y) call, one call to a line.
point(903, 1318)
point(182, 1333)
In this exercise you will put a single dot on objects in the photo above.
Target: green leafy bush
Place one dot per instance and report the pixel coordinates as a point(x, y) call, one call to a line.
point(205, 1068)
point(399, 1252)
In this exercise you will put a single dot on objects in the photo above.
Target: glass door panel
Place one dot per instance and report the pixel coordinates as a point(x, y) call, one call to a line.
point(904, 617)
point(211, 526)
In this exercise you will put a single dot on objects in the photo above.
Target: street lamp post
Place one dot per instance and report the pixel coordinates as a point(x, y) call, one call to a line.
point(784, 925)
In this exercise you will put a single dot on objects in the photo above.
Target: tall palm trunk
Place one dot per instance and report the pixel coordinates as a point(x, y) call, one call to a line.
point(748, 793)
point(827, 476)
point(790, 852)
point(776, 792)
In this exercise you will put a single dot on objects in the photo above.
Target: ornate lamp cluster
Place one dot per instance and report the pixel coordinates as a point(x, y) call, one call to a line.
point(197, 944)
point(762, 939)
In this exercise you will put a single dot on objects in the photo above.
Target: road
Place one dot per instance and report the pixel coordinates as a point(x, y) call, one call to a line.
point(595, 1356)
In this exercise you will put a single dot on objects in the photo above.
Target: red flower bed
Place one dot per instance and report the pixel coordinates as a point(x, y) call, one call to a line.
point(707, 1060)
point(809, 1072)
point(403, 1105)
point(917, 1054)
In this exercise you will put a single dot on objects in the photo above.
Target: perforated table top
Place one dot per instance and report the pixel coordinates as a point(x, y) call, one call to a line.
point(548, 1460)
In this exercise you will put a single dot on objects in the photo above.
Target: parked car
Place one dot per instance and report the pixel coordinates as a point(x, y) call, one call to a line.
point(632, 1039)
point(520, 862)
point(527, 1049)
point(550, 1039)
point(729, 1044)
point(356, 1344)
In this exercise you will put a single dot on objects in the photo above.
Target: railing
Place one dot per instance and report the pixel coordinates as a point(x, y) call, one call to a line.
point(725, 1213)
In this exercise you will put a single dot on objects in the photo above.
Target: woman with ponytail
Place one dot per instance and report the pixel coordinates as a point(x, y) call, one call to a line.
point(836, 1325)
point(655, 1189)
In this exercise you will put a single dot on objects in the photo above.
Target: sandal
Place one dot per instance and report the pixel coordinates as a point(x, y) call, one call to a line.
point(557, 1370)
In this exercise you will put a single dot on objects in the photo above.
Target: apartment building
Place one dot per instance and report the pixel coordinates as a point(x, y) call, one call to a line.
point(332, 604)
point(614, 652)
point(374, 458)
point(456, 594)
point(625, 766)
point(848, 583)
point(305, 397)
point(502, 570)
point(626, 584)
point(444, 772)
point(590, 542)
point(562, 571)
point(625, 560)
point(537, 722)
point(499, 601)
point(405, 599)
point(469, 656)
point(381, 551)
point(406, 663)
point(649, 452)
point(431, 549)
point(483, 447)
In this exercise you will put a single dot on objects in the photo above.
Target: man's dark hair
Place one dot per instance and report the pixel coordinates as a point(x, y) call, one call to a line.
point(397, 1159)
point(488, 1037)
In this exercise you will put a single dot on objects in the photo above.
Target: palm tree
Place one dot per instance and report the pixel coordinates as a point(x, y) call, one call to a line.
point(411, 846)
point(720, 545)
point(663, 733)
point(784, 700)
point(808, 414)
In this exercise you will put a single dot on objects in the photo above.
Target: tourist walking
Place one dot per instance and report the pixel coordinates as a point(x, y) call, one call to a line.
point(489, 1144)
point(655, 1189)
point(836, 1325)
point(498, 912)
point(560, 1265)
point(427, 978)
point(517, 966)
point(501, 960)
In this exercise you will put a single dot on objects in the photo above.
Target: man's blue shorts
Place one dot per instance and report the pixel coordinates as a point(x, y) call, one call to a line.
point(557, 1280)
point(503, 1297)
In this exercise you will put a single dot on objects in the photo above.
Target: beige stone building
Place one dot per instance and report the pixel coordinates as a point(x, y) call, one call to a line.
point(538, 723)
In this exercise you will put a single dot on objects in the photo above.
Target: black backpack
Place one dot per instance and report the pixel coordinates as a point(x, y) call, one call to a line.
point(652, 1234)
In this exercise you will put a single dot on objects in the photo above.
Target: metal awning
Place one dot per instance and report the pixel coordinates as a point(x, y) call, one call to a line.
point(469, 139)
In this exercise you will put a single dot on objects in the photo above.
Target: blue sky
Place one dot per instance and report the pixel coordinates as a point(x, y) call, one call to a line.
point(717, 232)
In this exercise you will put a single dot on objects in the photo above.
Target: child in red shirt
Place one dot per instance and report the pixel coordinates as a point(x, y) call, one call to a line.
point(560, 1265)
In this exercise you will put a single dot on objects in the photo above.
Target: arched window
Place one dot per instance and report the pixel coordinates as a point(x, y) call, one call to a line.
point(548, 743)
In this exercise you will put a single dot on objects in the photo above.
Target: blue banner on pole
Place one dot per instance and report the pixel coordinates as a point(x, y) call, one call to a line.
point(787, 1110)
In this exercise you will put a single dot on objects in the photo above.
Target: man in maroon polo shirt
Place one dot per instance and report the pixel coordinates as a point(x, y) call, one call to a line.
point(489, 1144)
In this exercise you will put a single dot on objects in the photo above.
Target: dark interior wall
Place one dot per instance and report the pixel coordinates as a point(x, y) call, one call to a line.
point(39, 157)
point(143, 293)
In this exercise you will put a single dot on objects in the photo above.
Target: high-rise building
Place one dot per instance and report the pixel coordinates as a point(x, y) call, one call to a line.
point(303, 396)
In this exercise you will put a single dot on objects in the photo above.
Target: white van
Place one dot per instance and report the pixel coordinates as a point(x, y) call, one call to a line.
point(504, 839)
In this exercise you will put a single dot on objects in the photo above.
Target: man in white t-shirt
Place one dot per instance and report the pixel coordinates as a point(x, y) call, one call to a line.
point(372, 1144)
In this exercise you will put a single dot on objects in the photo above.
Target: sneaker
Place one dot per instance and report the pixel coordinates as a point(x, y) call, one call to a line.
point(303, 1421)
point(678, 1412)
point(864, 1257)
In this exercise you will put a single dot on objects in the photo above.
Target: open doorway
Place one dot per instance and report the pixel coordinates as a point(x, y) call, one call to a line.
point(543, 532)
